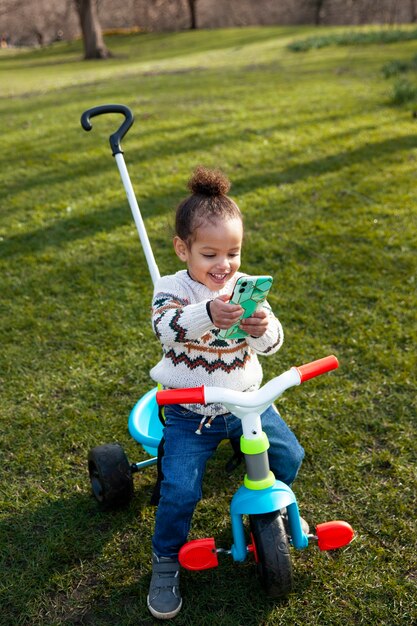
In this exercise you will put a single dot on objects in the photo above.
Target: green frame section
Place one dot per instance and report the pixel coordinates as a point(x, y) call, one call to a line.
point(258, 485)
point(254, 446)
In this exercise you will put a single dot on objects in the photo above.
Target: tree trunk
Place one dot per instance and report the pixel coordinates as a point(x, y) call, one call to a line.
point(193, 14)
point(413, 11)
point(318, 8)
point(94, 46)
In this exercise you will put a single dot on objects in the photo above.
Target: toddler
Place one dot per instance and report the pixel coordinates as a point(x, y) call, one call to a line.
point(188, 310)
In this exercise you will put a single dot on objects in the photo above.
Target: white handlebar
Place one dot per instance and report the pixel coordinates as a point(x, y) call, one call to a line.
point(238, 402)
point(254, 399)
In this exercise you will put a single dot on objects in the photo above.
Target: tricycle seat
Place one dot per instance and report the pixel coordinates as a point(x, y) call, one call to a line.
point(144, 423)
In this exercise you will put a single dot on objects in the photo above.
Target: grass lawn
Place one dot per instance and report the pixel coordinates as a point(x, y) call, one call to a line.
point(324, 169)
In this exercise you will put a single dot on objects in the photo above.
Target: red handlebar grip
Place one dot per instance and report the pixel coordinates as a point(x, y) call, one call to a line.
point(315, 368)
point(192, 395)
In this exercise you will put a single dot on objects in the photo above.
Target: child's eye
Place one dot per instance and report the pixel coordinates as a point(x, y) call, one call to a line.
point(209, 256)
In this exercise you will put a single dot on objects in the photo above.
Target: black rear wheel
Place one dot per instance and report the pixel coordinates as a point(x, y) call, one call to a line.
point(272, 549)
point(110, 475)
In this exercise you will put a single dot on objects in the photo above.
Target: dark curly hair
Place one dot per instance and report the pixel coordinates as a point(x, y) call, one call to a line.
point(208, 201)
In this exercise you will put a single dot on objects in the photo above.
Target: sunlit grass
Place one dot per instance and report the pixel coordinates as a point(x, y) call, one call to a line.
point(324, 171)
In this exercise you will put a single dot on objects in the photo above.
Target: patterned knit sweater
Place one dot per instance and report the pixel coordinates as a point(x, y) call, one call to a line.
point(193, 354)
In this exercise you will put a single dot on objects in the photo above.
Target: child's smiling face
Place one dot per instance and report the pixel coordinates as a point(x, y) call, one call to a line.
point(213, 257)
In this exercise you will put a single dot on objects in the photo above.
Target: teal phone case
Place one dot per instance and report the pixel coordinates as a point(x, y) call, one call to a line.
point(250, 292)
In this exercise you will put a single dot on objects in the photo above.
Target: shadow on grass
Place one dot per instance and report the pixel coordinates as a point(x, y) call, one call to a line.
point(53, 171)
point(72, 228)
point(42, 546)
point(66, 230)
point(329, 164)
point(68, 562)
point(142, 140)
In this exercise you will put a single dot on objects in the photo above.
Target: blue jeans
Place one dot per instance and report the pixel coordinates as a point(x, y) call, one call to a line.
point(184, 463)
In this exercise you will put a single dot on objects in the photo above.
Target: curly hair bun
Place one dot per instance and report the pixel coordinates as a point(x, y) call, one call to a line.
point(208, 182)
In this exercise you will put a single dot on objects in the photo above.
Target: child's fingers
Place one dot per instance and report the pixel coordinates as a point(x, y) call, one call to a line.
point(222, 304)
point(252, 322)
point(229, 310)
point(255, 320)
point(255, 325)
point(231, 317)
point(258, 314)
point(224, 315)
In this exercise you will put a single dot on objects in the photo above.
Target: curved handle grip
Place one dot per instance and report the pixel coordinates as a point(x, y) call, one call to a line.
point(315, 368)
point(116, 138)
point(193, 395)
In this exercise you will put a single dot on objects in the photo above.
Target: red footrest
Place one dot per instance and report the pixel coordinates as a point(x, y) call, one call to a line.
point(198, 554)
point(333, 535)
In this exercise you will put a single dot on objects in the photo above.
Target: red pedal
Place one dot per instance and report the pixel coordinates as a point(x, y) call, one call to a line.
point(333, 535)
point(198, 554)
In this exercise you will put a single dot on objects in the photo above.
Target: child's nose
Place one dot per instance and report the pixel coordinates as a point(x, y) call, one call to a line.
point(224, 264)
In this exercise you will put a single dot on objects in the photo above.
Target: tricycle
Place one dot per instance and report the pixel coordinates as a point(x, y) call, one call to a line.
point(270, 505)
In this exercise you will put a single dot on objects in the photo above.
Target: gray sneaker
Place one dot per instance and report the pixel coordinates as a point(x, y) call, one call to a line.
point(164, 599)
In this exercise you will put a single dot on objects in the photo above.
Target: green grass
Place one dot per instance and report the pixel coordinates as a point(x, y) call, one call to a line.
point(358, 36)
point(324, 171)
point(403, 91)
point(396, 67)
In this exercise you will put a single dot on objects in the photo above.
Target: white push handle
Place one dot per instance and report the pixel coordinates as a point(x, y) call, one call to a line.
point(134, 207)
point(117, 152)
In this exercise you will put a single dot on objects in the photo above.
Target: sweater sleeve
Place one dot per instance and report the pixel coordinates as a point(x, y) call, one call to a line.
point(272, 339)
point(174, 318)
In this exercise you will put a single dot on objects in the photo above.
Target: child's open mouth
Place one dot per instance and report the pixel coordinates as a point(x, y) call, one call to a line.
point(218, 278)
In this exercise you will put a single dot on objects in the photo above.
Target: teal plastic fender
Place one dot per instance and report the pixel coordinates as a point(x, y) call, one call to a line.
point(253, 502)
point(144, 424)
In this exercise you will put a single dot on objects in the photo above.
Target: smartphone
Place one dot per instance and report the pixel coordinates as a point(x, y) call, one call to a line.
point(250, 292)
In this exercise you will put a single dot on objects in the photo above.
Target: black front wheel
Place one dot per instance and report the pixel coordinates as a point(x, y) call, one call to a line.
point(110, 475)
point(273, 555)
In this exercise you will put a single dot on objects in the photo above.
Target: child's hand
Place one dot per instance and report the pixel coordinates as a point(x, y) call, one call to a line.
point(256, 325)
point(224, 315)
